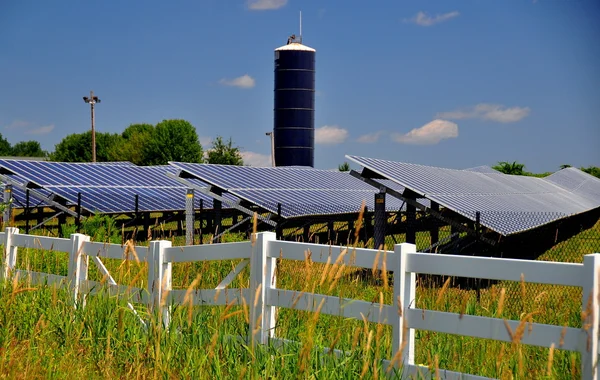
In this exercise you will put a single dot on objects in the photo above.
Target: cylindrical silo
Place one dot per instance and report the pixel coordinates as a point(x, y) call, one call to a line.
point(294, 108)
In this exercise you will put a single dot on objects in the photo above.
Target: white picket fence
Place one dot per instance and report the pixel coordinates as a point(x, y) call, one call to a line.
point(264, 297)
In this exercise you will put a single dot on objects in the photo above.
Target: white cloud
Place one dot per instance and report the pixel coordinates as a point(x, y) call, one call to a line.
point(429, 134)
point(485, 111)
point(423, 19)
point(370, 138)
point(330, 135)
point(262, 5)
point(40, 130)
point(256, 159)
point(245, 81)
point(17, 124)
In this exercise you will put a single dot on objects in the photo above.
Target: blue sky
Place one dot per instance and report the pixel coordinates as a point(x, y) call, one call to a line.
point(446, 83)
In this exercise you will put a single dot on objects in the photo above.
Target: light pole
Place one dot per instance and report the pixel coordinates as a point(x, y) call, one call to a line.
point(92, 100)
point(272, 148)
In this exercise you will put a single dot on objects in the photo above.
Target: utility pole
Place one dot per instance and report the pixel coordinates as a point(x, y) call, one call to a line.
point(272, 148)
point(92, 100)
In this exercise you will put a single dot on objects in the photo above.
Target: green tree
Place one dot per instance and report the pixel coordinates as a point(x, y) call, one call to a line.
point(77, 147)
point(513, 168)
point(593, 170)
point(345, 167)
point(173, 140)
point(5, 149)
point(28, 149)
point(133, 129)
point(224, 153)
point(133, 144)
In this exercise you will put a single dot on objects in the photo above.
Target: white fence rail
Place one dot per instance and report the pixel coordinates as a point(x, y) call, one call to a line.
point(404, 262)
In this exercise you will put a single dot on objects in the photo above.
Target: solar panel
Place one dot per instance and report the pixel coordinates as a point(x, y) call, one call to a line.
point(106, 187)
point(577, 182)
point(19, 196)
point(110, 200)
point(508, 204)
point(230, 177)
point(300, 191)
point(45, 173)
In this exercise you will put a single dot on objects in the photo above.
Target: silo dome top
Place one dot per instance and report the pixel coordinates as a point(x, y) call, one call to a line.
point(295, 46)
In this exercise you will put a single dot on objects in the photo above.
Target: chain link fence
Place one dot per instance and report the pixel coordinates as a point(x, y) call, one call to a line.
point(536, 236)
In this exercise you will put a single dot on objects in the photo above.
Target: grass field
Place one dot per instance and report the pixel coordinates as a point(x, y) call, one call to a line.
point(42, 335)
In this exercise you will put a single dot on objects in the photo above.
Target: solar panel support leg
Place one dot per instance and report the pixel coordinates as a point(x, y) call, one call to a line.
point(380, 221)
point(189, 217)
point(411, 219)
point(279, 228)
point(331, 232)
point(7, 204)
point(62, 220)
point(78, 219)
point(217, 206)
point(40, 215)
point(306, 233)
point(454, 232)
point(137, 206)
point(434, 233)
point(147, 223)
point(209, 222)
point(27, 212)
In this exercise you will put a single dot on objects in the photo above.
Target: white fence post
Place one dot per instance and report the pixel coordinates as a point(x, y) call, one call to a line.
point(78, 267)
point(262, 275)
point(404, 297)
point(9, 258)
point(591, 307)
point(159, 279)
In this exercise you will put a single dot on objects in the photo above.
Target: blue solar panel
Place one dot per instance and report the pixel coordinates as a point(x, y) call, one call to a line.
point(20, 199)
point(122, 199)
point(107, 187)
point(45, 173)
point(298, 202)
point(508, 204)
point(230, 177)
point(19, 195)
point(300, 191)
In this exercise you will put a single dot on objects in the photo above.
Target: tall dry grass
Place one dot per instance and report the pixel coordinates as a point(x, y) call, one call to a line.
point(43, 335)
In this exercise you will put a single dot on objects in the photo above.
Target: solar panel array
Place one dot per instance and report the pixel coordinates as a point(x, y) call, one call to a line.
point(508, 204)
point(105, 188)
point(300, 191)
point(112, 187)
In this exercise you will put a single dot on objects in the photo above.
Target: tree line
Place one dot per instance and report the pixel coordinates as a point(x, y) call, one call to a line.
point(142, 144)
point(517, 168)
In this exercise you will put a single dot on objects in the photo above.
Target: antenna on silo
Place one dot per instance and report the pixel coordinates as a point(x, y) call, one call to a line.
point(300, 26)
